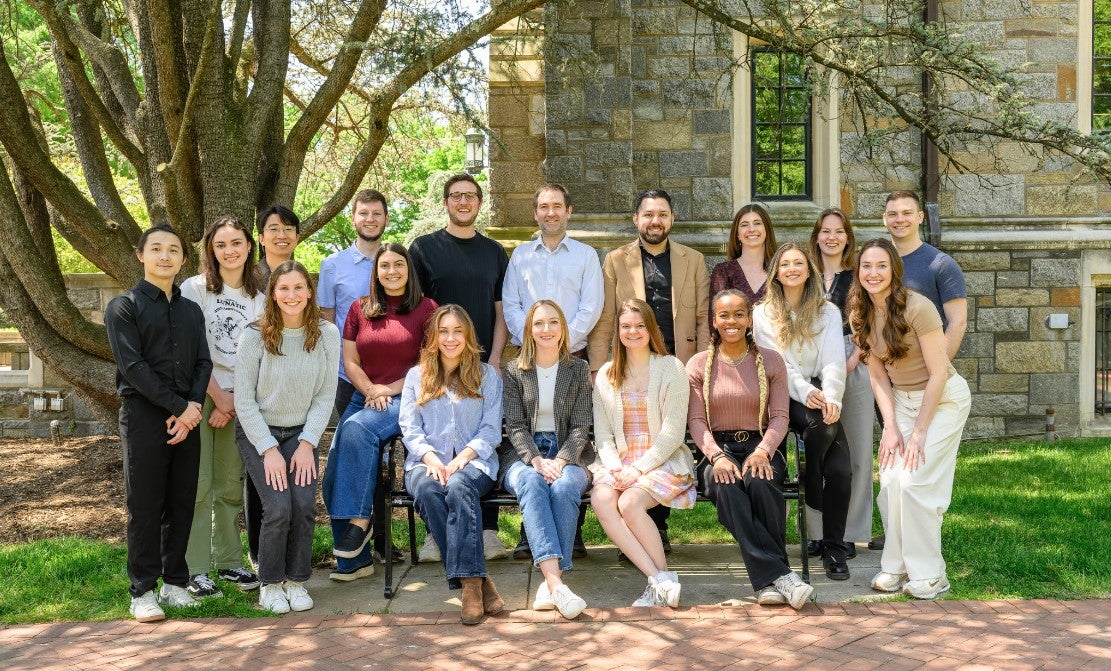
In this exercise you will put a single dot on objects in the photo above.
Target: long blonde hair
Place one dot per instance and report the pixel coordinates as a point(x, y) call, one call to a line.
point(526, 359)
point(801, 325)
point(271, 324)
point(761, 371)
point(466, 379)
point(620, 366)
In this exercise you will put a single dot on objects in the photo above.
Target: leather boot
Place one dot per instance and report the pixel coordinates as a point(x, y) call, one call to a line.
point(472, 601)
point(492, 602)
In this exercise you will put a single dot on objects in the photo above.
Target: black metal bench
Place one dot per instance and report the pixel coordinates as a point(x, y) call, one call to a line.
point(391, 494)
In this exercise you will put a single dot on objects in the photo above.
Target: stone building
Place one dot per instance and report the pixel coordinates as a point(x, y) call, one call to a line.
point(663, 106)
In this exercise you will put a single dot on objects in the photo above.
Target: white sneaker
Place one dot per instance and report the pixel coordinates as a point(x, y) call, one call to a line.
point(889, 582)
point(175, 596)
point(650, 598)
point(568, 603)
point(492, 547)
point(543, 599)
point(770, 596)
point(145, 608)
point(297, 596)
point(792, 587)
point(926, 589)
point(272, 598)
point(429, 552)
point(668, 588)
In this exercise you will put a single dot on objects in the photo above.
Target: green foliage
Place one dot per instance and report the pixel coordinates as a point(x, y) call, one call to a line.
point(781, 94)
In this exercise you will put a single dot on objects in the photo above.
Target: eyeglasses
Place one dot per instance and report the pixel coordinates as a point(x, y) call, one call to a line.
point(459, 197)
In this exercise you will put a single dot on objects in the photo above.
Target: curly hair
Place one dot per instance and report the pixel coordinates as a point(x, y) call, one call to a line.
point(862, 310)
point(761, 371)
point(794, 325)
point(271, 324)
point(466, 379)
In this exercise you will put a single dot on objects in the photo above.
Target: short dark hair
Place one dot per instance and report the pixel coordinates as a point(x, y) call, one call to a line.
point(370, 196)
point(461, 177)
point(896, 195)
point(163, 228)
point(284, 213)
point(551, 186)
point(652, 193)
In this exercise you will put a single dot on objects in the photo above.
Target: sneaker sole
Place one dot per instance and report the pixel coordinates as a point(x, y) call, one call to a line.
point(934, 595)
point(572, 613)
point(150, 618)
point(800, 600)
point(364, 572)
point(895, 590)
point(301, 609)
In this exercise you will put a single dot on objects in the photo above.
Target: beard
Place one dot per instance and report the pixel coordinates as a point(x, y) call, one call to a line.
point(654, 238)
point(369, 238)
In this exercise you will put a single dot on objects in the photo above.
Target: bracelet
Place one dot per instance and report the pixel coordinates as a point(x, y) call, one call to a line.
point(719, 455)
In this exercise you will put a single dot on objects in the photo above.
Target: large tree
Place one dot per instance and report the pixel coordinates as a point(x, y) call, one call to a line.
point(204, 107)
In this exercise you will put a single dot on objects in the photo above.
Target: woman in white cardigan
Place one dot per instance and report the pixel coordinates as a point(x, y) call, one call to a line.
point(640, 405)
point(797, 321)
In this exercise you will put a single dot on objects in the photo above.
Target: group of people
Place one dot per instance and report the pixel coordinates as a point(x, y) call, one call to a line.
point(451, 343)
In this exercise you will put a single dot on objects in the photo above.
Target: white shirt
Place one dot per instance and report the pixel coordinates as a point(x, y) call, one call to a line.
point(823, 357)
point(225, 316)
point(545, 406)
point(571, 276)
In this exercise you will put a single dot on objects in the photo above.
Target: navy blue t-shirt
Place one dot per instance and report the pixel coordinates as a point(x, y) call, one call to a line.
point(934, 274)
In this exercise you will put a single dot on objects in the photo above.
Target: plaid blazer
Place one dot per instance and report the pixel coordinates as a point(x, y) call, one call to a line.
point(573, 413)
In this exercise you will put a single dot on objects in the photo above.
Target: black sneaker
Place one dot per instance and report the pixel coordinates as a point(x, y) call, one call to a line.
point(814, 548)
point(352, 542)
point(877, 542)
point(201, 586)
point(241, 577)
point(396, 555)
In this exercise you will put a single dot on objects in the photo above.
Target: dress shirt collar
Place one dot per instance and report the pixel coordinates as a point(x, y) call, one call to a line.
point(538, 244)
point(153, 292)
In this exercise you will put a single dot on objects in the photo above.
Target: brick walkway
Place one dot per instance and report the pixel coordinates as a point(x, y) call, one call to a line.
point(1011, 635)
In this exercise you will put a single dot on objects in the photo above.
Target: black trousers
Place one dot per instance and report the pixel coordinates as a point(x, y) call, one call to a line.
point(753, 510)
point(828, 474)
point(252, 516)
point(160, 481)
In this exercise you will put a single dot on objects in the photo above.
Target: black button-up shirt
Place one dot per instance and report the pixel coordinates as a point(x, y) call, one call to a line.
point(657, 291)
point(160, 347)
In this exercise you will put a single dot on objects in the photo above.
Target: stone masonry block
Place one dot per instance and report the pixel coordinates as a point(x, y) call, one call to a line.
point(563, 168)
point(983, 260)
point(1039, 330)
point(683, 163)
point(688, 93)
point(1021, 297)
point(711, 121)
point(1055, 272)
point(983, 427)
point(1054, 388)
point(614, 154)
point(1012, 279)
point(995, 320)
point(980, 283)
point(674, 135)
point(997, 405)
point(977, 345)
point(713, 198)
point(1030, 357)
point(1013, 383)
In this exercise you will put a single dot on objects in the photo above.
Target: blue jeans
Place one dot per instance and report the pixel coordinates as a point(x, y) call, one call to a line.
point(352, 471)
point(454, 518)
point(550, 512)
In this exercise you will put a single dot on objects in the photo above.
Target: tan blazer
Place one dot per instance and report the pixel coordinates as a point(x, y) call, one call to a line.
point(623, 277)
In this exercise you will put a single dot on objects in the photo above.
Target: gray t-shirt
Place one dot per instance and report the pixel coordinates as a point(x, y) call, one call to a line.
point(934, 274)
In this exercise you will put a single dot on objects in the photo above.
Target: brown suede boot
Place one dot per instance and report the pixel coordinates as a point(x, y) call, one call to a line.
point(492, 602)
point(472, 601)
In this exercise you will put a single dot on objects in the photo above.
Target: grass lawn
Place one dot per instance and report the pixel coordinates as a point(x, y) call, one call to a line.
point(1028, 520)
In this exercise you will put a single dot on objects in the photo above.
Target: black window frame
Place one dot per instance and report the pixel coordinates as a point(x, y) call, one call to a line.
point(807, 125)
point(1101, 62)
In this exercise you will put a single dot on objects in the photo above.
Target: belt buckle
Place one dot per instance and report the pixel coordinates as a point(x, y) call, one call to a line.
point(740, 436)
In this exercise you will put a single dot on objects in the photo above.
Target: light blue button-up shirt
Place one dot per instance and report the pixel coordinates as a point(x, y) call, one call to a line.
point(449, 424)
point(570, 275)
point(344, 278)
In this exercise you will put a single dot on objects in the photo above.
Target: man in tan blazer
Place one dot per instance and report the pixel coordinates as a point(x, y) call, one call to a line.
point(669, 276)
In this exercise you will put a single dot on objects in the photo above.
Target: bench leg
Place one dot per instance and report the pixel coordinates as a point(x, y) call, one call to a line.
point(387, 533)
point(412, 536)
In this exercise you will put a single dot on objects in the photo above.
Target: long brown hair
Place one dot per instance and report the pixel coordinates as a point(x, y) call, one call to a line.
point(750, 340)
point(466, 379)
point(733, 246)
point(527, 357)
point(862, 310)
point(799, 325)
point(210, 267)
point(375, 304)
point(620, 366)
point(848, 255)
point(271, 325)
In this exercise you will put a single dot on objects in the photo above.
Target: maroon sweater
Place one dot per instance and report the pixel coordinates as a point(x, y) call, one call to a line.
point(389, 345)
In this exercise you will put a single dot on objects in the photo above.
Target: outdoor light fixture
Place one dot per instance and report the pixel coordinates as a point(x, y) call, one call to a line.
point(476, 150)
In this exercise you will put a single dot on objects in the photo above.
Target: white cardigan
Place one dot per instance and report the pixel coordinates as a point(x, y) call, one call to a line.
point(668, 394)
point(823, 357)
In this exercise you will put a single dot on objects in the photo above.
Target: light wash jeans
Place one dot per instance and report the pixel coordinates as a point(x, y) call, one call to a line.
point(550, 512)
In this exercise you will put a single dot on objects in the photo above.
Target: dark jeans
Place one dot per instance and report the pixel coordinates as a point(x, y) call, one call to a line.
point(288, 517)
point(160, 481)
point(453, 518)
point(252, 515)
point(344, 391)
point(828, 476)
point(753, 510)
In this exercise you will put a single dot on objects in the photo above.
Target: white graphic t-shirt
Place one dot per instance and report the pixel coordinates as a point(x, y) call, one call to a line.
point(225, 316)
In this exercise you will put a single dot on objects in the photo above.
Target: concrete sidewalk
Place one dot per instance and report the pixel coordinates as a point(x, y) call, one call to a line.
point(710, 574)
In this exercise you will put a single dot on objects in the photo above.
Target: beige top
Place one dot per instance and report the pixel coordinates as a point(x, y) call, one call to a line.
point(909, 372)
